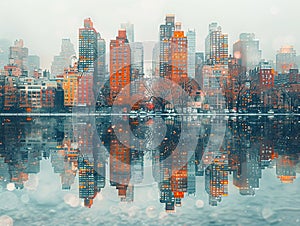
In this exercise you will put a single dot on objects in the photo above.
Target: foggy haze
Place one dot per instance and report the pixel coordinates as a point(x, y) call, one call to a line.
point(42, 23)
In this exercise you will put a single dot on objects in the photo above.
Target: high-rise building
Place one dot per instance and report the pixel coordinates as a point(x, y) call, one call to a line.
point(178, 55)
point(87, 185)
point(191, 38)
point(199, 63)
point(166, 32)
point(247, 51)
point(216, 46)
point(19, 54)
point(33, 64)
point(137, 63)
point(120, 63)
point(137, 58)
point(216, 183)
point(88, 63)
point(101, 67)
point(191, 176)
point(88, 48)
point(120, 167)
point(179, 175)
point(64, 59)
point(155, 59)
point(129, 31)
point(286, 60)
point(67, 49)
point(4, 52)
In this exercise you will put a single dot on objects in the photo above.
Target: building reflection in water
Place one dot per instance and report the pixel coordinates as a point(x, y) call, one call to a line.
point(98, 158)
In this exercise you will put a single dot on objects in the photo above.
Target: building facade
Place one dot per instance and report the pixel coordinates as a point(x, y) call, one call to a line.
point(120, 63)
point(88, 51)
point(178, 55)
point(286, 60)
point(266, 76)
point(191, 39)
point(166, 32)
point(64, 59)
point(247, 51)
point(129, 31)
point(19, 54)
point(216, 46)
point(87, 63)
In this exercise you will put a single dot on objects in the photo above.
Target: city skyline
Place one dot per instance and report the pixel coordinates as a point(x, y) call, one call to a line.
point(221, 82)
point(143, 112)
point(274, 16)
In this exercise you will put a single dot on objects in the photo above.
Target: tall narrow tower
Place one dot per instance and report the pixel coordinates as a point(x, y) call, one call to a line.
point(19, 54)
point(178, 55)
point(120, 63)
point(88, 37)
point(129, 31)
point(191, 37)
point(166, 32)
point(87, 64)
point(216, 46)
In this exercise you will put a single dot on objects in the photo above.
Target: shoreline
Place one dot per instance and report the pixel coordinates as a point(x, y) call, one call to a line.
point(162, 114)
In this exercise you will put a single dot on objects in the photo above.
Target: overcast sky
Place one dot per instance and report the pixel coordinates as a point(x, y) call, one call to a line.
point(43, 23)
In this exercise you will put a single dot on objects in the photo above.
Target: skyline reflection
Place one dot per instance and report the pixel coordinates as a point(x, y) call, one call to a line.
point(91, 160)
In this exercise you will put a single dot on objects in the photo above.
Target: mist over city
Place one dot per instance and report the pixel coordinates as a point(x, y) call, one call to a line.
point(135, 112)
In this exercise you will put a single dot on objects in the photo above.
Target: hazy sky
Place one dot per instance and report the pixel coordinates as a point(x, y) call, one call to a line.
point(43, 23)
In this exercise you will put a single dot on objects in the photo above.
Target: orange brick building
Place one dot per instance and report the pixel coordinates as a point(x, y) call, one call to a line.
point(120, 64)
point(179, 54)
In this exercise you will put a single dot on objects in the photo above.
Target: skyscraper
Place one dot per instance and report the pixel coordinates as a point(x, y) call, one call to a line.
point(87, 186)
point(129, 31)
point(155, 59)
point(88, 49)
point(216, 183)
point(19, 54)
point(99, 75)
point(4, 52)
point(286, 59)
point(191, 38)
point(199, 63)
point(166, 32)
point(137, 58)
point(120, 63)
point(179, 55)
point(101, 57)
point(64, 59)
point(216, 46)
point(87, 64)
point(137, 63)
point(33, 64)
point(246, 50)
